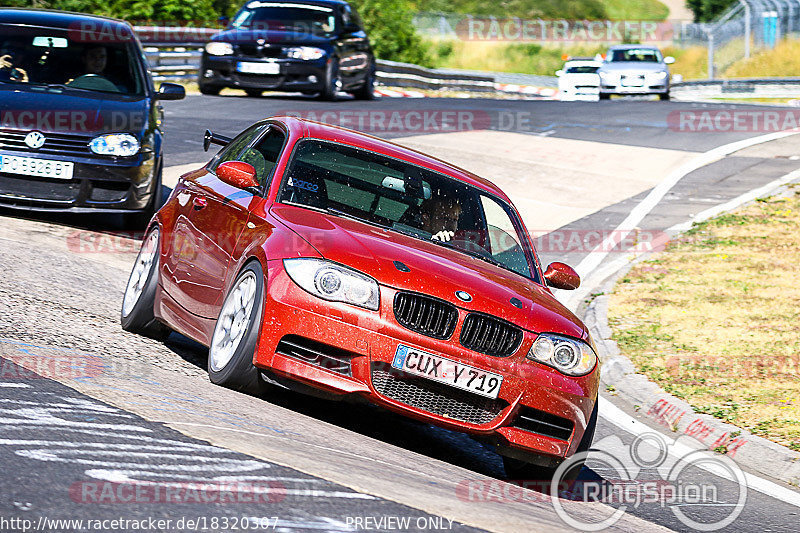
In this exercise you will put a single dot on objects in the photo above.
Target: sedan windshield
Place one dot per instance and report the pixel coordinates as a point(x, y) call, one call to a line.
point(644, 55)
point(583, 69)
point(59, 58)
point(302, 18)
point(406, 198)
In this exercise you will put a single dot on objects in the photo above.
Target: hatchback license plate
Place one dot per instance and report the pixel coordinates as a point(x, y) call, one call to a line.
point(32, 166)
point(443, 370)
point(258, 68)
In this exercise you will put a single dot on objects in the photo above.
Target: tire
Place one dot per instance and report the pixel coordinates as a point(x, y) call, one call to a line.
point(663, 97)
point(140, 220)
point(137, 314)
point(230, 359)
point(210, 90)
point(332, 83)
point(254, 93)
point(605, 96)
point(517, 469)
point(367, 91)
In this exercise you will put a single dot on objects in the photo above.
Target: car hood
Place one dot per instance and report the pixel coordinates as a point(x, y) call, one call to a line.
point(580, 79)
point(270, 36)
point(434, 270)
point(632, 66)
point(36, 108)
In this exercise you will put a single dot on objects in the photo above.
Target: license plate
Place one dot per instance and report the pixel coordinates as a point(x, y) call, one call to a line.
point(258, 68)
point(32, 166)
point(443, 370)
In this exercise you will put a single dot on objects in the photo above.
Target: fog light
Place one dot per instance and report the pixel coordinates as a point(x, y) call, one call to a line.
point(312, 79)
point(208, 73)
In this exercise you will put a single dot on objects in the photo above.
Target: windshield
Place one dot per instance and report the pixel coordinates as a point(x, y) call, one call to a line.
point(43, 56)
point(584, 69)
point(645, 55)
point(302, 18)
point(406, 198)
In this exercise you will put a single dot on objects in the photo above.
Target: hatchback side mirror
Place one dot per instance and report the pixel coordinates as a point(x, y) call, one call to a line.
point(238, 174)
point(559, 72)
point(171, 91)
point(561, 276)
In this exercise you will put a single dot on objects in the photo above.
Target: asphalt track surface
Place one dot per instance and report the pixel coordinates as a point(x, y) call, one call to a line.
point(57, 440)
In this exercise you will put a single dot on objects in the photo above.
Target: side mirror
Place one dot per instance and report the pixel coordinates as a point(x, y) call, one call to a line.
point(210, 138)
point(350, 28)
point(561, 276)
point(669, 60)
point(171, 91)
point(238, 174)
point(559, 72)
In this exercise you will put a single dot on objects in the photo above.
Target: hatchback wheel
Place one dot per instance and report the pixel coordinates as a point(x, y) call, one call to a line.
point(230, 357)
point(137, 314)
point(332, 81)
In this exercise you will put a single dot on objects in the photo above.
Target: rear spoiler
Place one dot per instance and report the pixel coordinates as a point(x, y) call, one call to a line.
point(210, 138)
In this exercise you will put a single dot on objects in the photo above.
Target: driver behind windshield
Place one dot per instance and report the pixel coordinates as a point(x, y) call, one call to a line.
point(94, 60)
point(12, 60)
point(438, 215)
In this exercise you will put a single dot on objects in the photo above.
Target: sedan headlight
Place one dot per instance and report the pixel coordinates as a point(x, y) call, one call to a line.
point(119, 144)
point(306, 53)
point(567, 355)
point(218, 48)
point(659, 75)
point(334, 282)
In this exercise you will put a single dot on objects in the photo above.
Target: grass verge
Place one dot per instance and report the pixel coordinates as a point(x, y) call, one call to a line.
point(714, 318)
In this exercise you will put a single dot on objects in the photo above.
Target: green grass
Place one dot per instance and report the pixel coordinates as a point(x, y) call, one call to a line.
point(553, 9)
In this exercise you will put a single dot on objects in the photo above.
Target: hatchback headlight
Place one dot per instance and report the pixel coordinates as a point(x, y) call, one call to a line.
point(119, 144)
point(659, 75)
point(306, 53)
point(218, 48)
point(334, 282)
point(567, 355)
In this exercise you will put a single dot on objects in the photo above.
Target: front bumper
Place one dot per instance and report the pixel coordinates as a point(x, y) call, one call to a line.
point(617, 88)
point(294, 74)
point(347, 350)
point(98, 185)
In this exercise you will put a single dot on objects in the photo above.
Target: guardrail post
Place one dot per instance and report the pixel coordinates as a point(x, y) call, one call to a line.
point(710, 56)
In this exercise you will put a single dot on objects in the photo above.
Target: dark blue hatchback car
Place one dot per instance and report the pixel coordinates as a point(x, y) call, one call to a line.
point(80, 120)
point(309, 46)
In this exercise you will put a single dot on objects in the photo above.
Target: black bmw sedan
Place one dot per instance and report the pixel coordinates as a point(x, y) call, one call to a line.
point(80, 120)
point(309, 46)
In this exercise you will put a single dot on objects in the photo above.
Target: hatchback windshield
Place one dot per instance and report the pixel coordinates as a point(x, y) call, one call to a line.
point(645, 55)
point(42, 56)
point(406, 198)
point(583, 69)
point(301, 18)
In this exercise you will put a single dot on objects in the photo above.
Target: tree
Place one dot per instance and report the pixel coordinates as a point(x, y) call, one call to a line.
point(708, 10)
point(389, 24)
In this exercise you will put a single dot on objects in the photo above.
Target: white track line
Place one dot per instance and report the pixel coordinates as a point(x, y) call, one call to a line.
point(15, 385)
point(596, 256)
point(625, 422)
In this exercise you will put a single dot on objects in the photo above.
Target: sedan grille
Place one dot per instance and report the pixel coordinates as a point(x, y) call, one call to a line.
point(429, 316)
point(435, 398)
point(66, 144)
point(489, 335)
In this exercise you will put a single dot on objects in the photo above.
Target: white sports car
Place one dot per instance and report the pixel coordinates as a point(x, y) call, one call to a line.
point(578, 80)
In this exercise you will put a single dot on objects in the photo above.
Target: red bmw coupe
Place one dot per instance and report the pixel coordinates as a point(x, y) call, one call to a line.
point(342, 265)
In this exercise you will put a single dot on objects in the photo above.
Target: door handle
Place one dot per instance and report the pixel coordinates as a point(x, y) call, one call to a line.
point(199, 202)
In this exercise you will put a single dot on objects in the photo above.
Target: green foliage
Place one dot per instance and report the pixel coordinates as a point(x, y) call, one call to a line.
point(132, 10)
point(708, 10)
point(555, 9)
point(389, 26)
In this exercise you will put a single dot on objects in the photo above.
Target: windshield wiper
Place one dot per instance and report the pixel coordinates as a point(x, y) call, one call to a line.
point(345, 214)
point(470, 253)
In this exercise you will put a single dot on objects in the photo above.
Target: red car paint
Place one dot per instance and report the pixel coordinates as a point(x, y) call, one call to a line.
point(211, 229)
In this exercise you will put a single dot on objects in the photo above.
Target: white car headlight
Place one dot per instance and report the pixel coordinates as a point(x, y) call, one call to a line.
point(306, 53)
point(119, 144)
point(216, 48)
point(567, 355)
point(659, 75)
point(334, 282)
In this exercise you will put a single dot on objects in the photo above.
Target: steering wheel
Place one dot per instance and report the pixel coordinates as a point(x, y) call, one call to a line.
point(93, 82)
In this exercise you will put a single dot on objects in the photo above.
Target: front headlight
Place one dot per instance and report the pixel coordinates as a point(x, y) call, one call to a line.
point(218, 48)
point(119, 144)
point(306, 53)
point(660, 75)
point(567, 355)
point(334, 282)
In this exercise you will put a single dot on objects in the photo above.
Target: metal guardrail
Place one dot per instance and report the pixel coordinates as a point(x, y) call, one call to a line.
point(739, 88)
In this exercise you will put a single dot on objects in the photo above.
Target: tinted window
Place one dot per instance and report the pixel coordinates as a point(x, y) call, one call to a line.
point(51, 56)
point(582, 70)
point(298, 18)
point(264, 155)
point(232, 151)
point(644, 55)
point(406, 198)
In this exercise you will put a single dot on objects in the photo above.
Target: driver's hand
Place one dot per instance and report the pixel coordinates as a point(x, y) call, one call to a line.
point(19, 75)
point(443, 236)
point(5, 61)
